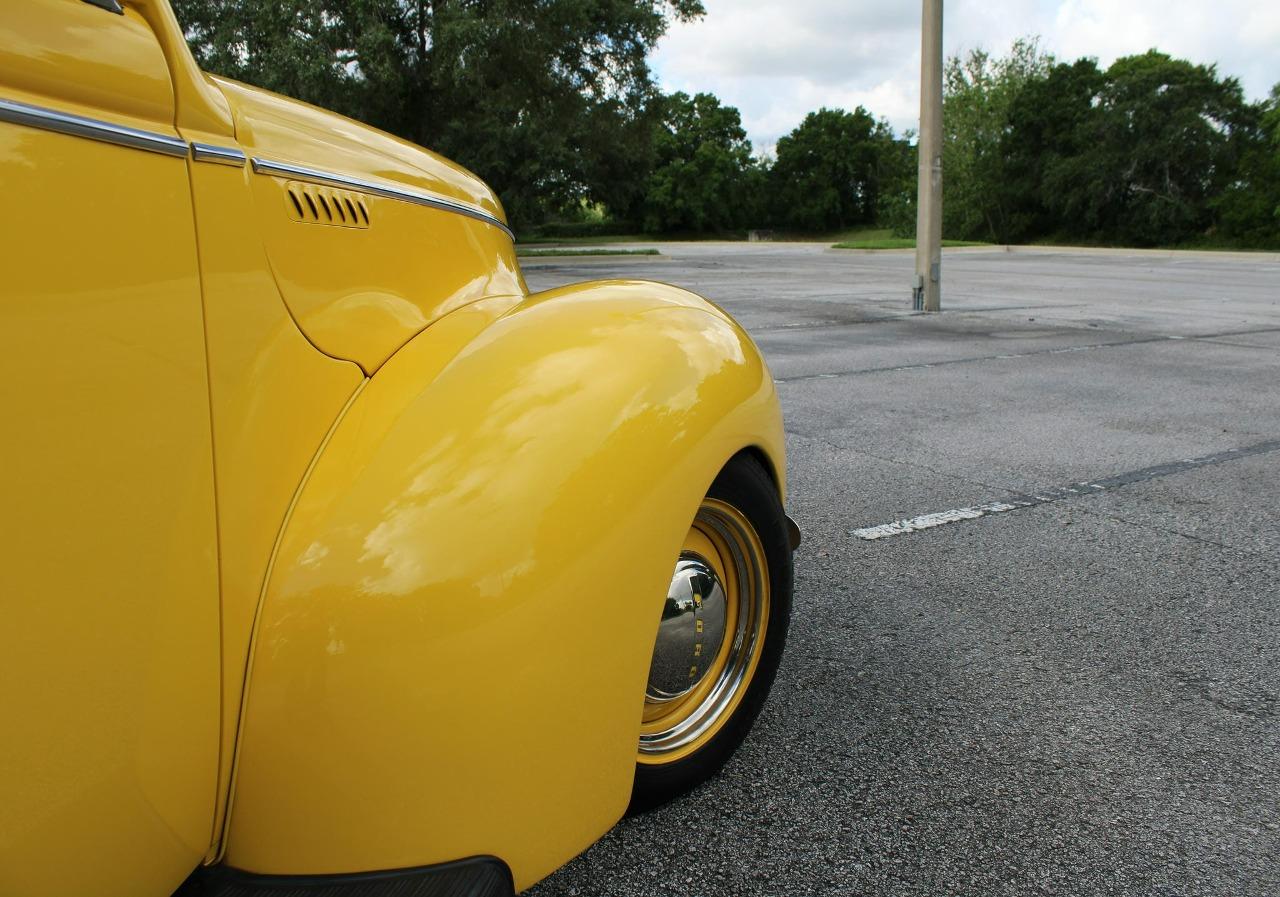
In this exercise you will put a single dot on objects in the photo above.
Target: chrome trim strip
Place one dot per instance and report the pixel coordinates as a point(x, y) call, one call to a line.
point(282, 169)
point(79, 126)
point(219, 155)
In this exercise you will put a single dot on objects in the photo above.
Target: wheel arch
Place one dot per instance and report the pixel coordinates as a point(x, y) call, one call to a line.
point(775, 471)
point(443, 601)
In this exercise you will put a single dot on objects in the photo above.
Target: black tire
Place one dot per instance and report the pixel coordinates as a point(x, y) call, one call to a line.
point(744, 485)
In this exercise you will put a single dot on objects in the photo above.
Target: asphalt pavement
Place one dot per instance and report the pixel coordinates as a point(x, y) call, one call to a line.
point(1036, 643)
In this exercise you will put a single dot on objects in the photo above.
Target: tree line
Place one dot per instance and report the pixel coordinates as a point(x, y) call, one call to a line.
point(554, 105)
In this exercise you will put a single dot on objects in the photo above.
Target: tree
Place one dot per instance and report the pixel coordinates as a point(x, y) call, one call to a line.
point(1166, 141)
point(1248, 209)
point(1047, 147)
point(897, 192)
point(978, 91)
point(704, 178)
point(1144, 153)
point(829, 170)
point(542, 100)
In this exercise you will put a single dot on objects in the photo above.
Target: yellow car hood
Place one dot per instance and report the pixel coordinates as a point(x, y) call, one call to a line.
point(279, 129)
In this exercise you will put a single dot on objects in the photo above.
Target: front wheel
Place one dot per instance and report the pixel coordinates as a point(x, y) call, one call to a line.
point(724, 624)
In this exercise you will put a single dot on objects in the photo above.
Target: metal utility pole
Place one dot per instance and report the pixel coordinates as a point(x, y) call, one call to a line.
point(927, 295)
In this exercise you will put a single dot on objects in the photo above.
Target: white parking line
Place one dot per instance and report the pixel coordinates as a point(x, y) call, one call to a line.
point(928, 521)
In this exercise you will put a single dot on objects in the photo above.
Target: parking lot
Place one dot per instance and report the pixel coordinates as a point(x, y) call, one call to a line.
point(1063, 674)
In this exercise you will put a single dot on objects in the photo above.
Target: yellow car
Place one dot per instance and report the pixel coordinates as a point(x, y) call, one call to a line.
point(335, 561)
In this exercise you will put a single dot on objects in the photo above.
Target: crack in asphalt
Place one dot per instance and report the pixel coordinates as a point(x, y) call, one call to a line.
point(1170, 531)
point(1264, 707)
point(1060, 350)
point(834, 323)
point(924, 365)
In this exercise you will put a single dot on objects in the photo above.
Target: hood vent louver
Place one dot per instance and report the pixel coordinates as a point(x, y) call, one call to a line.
point(312, 204)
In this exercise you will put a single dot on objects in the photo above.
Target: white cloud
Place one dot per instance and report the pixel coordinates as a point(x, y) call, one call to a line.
point(778, 61)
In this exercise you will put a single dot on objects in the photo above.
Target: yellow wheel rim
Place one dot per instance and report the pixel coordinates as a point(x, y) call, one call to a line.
point(710, 637)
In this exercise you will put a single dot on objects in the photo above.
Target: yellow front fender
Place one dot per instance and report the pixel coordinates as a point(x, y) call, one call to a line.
point(452, 653)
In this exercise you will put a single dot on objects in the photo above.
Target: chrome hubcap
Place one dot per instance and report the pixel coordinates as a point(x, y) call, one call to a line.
point(691, 631)
point(712, 627)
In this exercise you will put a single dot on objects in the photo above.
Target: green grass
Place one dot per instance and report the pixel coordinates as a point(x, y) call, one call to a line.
point(547, 253)
point(897, 243)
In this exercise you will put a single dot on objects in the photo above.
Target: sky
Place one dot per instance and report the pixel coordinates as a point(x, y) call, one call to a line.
point(777, 60)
